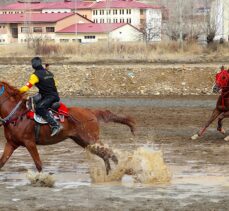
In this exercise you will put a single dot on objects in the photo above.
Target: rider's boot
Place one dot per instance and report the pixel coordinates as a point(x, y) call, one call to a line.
point(56, 127)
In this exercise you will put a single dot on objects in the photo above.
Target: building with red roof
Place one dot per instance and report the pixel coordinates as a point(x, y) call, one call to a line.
point(99, 11)
point(107, 12)
point(30, 26)
point(94, 32)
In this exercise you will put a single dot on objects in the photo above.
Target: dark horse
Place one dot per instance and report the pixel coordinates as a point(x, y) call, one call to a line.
point(222, 106)
point(82, 126)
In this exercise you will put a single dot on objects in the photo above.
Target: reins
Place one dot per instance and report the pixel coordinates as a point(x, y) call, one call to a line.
point(6, 120)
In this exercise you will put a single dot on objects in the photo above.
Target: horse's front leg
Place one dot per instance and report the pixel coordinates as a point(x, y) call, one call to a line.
point(214, 115)
point(32, 148)
point(220, 122)
point(8, 151)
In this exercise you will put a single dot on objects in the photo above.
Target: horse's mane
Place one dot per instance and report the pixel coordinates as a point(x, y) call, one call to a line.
point(11, 90)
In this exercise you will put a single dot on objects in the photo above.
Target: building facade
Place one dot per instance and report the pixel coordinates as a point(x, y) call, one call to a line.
point(220, 19)
point(134, 13)
point(15, 28)
point(97, 32)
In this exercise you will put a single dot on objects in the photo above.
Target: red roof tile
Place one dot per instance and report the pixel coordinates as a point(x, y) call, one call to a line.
point(33, 17)
point(122, 4)
point(91, 27)
point(79, 5)
point(48, 5)
point(23, 6)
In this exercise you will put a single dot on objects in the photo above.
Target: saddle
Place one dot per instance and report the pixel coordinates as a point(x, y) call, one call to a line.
point(58, 110)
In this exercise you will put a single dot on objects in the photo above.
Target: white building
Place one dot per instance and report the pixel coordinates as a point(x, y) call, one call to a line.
point(140, 15)
point(94, 32)
point(220, 19)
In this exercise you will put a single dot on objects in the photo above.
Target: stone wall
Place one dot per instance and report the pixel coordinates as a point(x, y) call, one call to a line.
point(121, 80)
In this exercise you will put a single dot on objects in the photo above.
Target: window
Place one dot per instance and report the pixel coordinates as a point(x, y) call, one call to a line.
point(24, 29)
point(128, 20)
point(121, 12)
point(37, 29)
point(141, 11)
point(50, 29)
point(115, 12)
point(14, 32)
point(128, 11)
point(89, 37)
point(64, 40)
point(101, 12)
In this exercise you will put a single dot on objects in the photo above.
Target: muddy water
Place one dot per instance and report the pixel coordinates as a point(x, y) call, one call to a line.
point(200, 169)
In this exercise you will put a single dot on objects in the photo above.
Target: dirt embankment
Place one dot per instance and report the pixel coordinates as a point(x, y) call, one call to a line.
point(122, 80)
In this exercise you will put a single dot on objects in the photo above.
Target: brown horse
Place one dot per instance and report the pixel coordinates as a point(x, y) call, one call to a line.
point(222, 106)
point(19, 130)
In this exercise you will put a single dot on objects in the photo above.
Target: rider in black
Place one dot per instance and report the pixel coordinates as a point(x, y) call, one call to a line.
point(44, 80)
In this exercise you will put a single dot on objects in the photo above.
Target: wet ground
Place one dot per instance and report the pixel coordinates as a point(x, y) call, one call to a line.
point(200, 168)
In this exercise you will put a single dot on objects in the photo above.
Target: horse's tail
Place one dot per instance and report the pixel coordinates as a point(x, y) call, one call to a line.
point(107, 116)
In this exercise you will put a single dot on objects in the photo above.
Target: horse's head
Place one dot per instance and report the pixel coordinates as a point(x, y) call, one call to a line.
point(221, 81)
point(7, 90)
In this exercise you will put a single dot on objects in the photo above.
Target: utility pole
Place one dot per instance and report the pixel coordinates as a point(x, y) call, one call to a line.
point(181, 23)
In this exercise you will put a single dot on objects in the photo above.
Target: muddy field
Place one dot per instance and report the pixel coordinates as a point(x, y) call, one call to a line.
point(200, 168)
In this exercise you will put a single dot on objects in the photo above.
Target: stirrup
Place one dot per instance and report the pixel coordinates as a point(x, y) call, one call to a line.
point(56, 130)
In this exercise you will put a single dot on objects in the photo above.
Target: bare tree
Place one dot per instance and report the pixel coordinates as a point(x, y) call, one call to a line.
point(150, 31)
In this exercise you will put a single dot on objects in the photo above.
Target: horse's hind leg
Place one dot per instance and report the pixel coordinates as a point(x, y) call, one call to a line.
point(105, 153)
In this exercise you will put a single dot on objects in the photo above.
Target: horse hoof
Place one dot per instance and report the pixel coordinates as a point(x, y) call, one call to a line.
point(226, 139)
point(221, 130)
point(194, 137)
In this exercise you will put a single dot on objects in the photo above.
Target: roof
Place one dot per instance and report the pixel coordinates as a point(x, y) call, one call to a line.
point(92, 28)
point(33, 17)
point(79, 5)
point(68, 5)
point(47, 5)
point(122, 4)
point(23, 6)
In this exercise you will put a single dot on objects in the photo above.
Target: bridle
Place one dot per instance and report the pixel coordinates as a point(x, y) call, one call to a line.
point(7, 119)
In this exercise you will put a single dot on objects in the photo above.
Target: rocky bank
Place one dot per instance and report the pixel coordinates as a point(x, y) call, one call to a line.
point(122, 80)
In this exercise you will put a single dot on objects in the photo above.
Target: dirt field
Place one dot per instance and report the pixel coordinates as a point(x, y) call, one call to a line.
point(200, 168)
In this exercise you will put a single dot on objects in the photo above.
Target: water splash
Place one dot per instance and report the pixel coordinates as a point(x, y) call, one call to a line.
point(40, 179)
point(145, 166)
